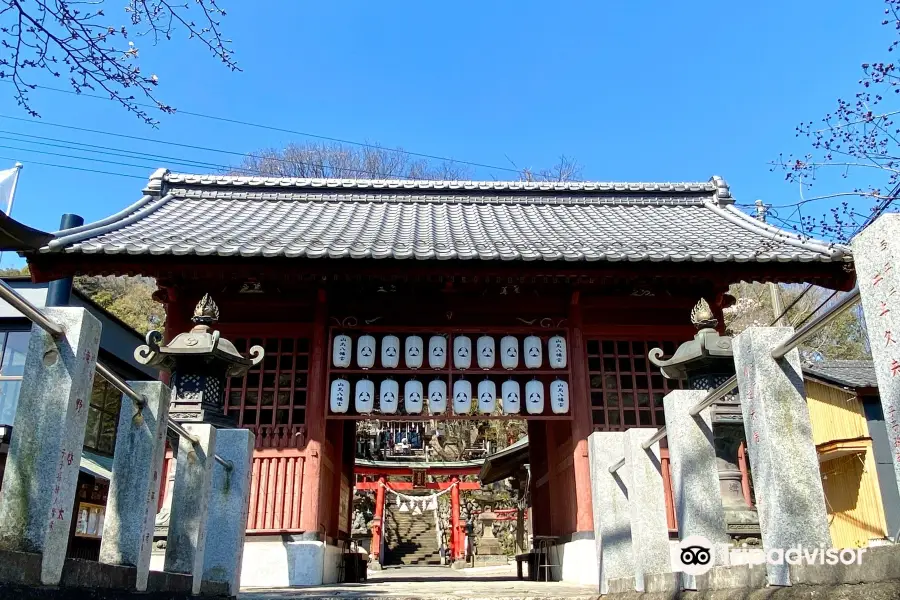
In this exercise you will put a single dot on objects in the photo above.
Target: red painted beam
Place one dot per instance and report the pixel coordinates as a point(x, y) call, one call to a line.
point(368, 486)
point(404, 470)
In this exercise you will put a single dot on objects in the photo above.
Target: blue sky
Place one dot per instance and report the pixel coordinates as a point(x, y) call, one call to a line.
point(632, 90)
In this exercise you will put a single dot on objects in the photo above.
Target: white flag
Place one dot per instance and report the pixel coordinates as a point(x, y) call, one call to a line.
point(8, 180)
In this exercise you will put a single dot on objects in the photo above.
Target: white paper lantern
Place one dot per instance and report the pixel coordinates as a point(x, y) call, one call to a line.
point(487, 396)
point(534, 397)
point(365, 396)
point(559, 397)
point(365, 352)
point(462, 397)
point(533, 352)
point(509, 352)
point(412, 396)
point(511, 393)
point(462, 352)
point(390, 351)
point(437, 352)
point(340, 354)
point(389, 392)
point(340, 396)
point(556, 352)
point(413, 352)
point(437, 396)
point(486, 351)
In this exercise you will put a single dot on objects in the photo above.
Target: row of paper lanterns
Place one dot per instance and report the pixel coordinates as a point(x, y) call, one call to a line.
point(511, 399)
point(485, 352)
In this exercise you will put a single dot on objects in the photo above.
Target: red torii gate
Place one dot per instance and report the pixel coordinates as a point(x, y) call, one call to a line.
point(381, 470)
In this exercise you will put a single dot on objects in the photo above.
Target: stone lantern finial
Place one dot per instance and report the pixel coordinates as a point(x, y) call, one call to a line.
point(200, 361)
point(702, 316)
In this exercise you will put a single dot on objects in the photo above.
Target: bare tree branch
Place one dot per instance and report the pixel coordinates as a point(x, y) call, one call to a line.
point(64, 39)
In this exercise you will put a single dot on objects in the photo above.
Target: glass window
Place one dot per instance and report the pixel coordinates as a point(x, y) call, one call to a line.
point(103, 417)
point(13, 346)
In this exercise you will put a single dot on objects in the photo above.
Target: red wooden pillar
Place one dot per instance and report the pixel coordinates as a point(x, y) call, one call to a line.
point(582, 419)
point(310, 519)
point(456, 540)
point(379, 513)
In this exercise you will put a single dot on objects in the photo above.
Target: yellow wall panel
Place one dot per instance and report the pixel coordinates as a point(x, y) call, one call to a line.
point(834, 413)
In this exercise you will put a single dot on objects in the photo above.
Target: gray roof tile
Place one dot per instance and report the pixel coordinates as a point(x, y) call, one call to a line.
point(576, 221)
point(848, 373)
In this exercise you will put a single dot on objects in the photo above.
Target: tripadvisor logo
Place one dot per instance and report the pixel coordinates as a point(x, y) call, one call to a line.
point(696, 555)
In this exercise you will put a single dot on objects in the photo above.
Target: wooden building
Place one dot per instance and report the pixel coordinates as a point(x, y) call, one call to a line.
point(612, 268)
point(854, 455)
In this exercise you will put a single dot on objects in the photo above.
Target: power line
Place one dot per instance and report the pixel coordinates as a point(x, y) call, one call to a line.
point(43, 164)
point(202, 148)
point(112, 151)
point(97, 160)
point(290, 131)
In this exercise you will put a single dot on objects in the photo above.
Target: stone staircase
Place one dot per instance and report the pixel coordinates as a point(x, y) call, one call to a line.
point(410, 539)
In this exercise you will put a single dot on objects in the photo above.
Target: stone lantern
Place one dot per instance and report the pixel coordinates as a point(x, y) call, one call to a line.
point(705, 363)
point(200, 361)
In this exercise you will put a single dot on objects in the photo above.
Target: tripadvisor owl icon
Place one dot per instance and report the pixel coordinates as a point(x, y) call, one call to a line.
point(695, 555)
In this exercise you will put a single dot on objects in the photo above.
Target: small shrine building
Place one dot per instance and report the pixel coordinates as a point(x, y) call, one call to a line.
point(307, 268)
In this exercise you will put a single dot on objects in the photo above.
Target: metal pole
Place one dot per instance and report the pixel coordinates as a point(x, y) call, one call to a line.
point(59, 291)
point(29, 310)
point(717, 394)
point(811, 328)
point(177, 428)
point(617, 466)
point(659, 435)
point(119, 384)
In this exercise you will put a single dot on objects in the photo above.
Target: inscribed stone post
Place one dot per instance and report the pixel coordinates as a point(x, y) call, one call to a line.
point(609, 493)
point(647, 507)
point(44, 457)
point(229, 503)
point(186, 542)
point(136, 476)
point(783, 458)
point(875, 253)
point(695, 474)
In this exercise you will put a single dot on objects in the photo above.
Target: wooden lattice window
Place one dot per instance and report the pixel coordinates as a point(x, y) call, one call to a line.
point(273, 393)
point(626, 389)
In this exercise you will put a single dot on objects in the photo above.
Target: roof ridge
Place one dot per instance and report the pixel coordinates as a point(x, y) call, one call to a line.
point(833, 250)
point(416, 184)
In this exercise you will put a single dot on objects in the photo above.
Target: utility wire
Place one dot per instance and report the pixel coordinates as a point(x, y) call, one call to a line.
point(202, 148)
point(290, 131)
point(43, 164)
point(112, 151)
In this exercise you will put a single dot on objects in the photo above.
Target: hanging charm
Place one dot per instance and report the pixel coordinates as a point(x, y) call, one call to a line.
point(340, 392)
point(511, 392)
point(413, 352)
point(365, 396)
point(509, 352)
point(390, 351)
point(388, 392)
point(462, 397)
point(437, 352)
point(556, 346)
point(343, 345)
point(365, 352)
point(437, 396)
point(486, 351)
point(412, 394)
point(534, 397)
point(533, 352)
point(462, 352)
point(559, 397)
point(487, 396)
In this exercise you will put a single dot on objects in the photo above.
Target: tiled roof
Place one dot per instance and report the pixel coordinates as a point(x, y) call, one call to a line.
point(848, 373)
point(488, 220)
